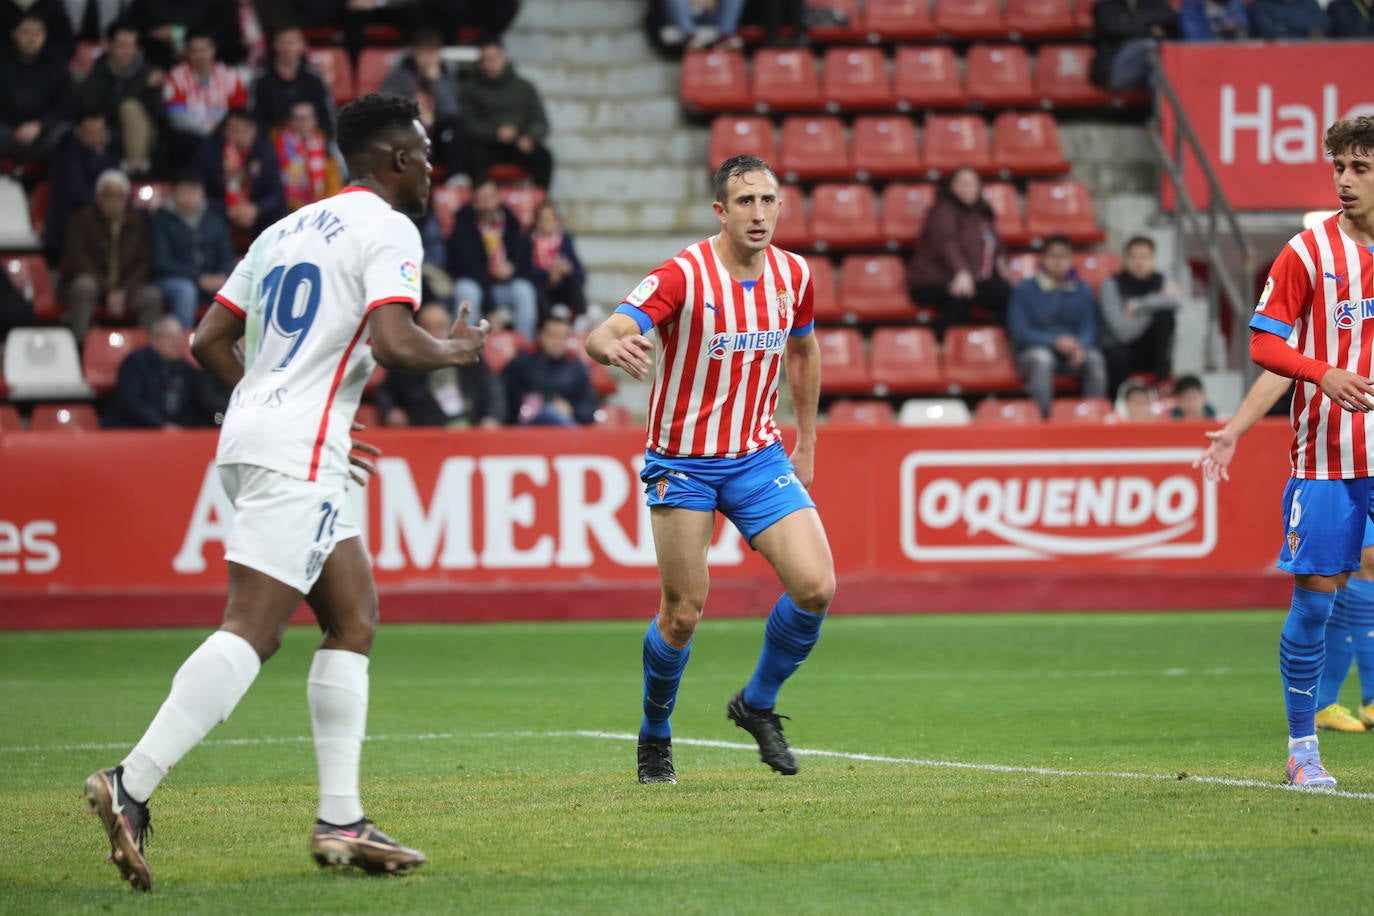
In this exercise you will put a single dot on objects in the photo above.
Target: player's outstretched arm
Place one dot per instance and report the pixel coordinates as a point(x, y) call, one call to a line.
point(401, 344)
point(1258, 401)
point(802, 358)
point(215, 345)
point(618, 342)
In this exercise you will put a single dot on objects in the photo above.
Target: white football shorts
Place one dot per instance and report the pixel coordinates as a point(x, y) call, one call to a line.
point(284, 527)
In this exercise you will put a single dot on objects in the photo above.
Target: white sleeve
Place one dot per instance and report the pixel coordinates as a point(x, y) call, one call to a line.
point(237, 293)
point(392, 273)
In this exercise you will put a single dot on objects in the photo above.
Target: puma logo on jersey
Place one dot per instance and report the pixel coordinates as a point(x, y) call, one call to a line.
point(1339, 278)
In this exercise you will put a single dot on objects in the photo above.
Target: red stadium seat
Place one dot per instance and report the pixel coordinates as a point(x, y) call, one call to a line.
point(1061, 78)
point(1027, 143)
point(1006, 411)
point(715, 81)
point(616, 416)
point(814, 149)
point(1081, 410)
point(1083, 17)
point(845, 217)
point(1040, 19)
point(927, 77)
point(446, 200)
point(603, 382)
point(825, 302)
point(873, 288)
point(1061, 208)
point(368, 416)
point(899, 20)
point(501, 348)
point(333, 67)
point(867, 412)
point(10, 421)
point(1023, 265)
point(1006, 208)
point(998, 76)
point(87, 53)
point(793, 230)
point(886, 147)
point(978, 360)
point(373, 66)
point(850, 30)
point(856, 79)
point(906, 361)
point(904, 212)
point(732, 135)
point(844, 368)
point(785, 80)
point(149, 195)
point(954, 141)
point(1093, 267)
point(29, 274)
point(38, 206)
point(524, 200)
point(103, 350)
point(967, 20)
point(63, 418)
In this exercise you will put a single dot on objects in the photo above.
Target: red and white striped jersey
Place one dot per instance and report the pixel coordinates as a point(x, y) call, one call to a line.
point(716, 381)
point(204, 105)
point(1320, 294)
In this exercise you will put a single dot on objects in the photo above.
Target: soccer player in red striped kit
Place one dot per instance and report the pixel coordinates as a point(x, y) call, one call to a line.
point(731, 312)
point(1321, 286)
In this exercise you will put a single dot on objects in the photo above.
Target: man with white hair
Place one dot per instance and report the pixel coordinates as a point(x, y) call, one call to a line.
point(106, 260)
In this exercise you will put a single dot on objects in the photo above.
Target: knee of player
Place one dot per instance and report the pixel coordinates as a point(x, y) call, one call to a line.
point(356, 631)
point(815, 594)
point(680, 614)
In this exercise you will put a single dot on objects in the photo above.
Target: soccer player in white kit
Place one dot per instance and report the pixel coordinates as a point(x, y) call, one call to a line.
point(321, 297)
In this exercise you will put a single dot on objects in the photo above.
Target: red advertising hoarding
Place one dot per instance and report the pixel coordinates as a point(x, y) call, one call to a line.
point(127, 527)
point(1260, 111)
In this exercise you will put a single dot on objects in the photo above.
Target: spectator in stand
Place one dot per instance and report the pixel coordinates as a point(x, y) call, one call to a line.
point(1135, 404)
point(106, 261)
point(128, 90)
point(550, 385)
point(1351, 18)
point(422, 75)
point(558, 273)
point(1126, 30)
point(164, 24)
point(706, 22)
point(16, 311)
point(35, 93)
point(505, 119)
point(192, 256)
point(357, 15)
point(959, 261)
point(239, 34)
point(456, 397)
point(198, 93)
point(489, 260)
point(488, 17)
point(241, 176)
point(289, 79)
point(158, 388)
point(1137, 310)
point(1052, 323)
point(310, 170)
point(1213, 20)
point(1280, 19)
point(60, 35)
point(1190, 400)
point(779, 13)
point(82, 155)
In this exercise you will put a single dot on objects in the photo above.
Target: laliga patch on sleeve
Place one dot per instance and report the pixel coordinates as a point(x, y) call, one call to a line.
point(1264, 296)
point(643, 291)
point(410, 273)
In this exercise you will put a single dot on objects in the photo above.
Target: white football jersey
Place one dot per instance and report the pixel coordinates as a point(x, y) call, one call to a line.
point(305, 290)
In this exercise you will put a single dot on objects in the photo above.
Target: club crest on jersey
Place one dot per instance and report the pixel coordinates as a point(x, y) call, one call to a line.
point(1346, 313)
point(1293, 541)
point(722, 345)
point(410, 272)
point(784, 303)
point(643, 291)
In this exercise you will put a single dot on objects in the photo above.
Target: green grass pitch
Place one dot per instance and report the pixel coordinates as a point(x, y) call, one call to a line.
point(982, 764)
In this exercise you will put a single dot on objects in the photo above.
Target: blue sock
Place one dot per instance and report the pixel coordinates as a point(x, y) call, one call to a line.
point(1301, 654)
point(787, 640)
point(1339, 651)
point(663, 667)
point(1359, 610)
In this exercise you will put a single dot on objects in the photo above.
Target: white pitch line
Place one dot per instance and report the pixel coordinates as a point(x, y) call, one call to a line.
point(740, 746)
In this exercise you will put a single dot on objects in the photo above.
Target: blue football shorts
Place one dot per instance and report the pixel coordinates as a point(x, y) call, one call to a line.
point(753, 491)
point(1327, 523)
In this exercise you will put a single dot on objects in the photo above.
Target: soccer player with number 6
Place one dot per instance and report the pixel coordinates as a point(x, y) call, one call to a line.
point(321, 297)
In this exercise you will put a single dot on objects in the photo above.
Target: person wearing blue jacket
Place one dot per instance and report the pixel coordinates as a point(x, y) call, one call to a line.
point(1276, 19)
point(1351, 18)
point(1213, 20)
point(1052, 324)
point(192, 255)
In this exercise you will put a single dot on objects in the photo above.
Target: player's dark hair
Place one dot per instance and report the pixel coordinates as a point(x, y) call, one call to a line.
point(370, 118)
point(1139, 240)
point(120, 25)
point(1187, 383)
point(1057, 239)
point(1352, 135)
point(201, 33)
point(736, 166)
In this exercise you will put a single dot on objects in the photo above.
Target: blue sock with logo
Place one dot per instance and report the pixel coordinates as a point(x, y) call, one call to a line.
point(1359, 610)
point(1302, 652)
point(1339, 651)
point(663, 667)
point(787, 640)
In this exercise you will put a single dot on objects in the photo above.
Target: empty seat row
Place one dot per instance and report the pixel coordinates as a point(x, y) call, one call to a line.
point(845, 217)
point(818, 148)
point(975, 359)
point(954, 412)
point(918, 77)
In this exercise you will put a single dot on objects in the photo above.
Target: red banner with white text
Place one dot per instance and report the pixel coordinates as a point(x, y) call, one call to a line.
point(1260, 111)
point(127, 528)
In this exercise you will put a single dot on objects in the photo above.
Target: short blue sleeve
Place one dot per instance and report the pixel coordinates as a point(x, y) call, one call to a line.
point(645, 323)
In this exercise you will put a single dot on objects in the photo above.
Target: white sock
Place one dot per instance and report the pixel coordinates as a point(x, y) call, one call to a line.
point(337, 691)
point(205, 690)
point(1294, 742)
